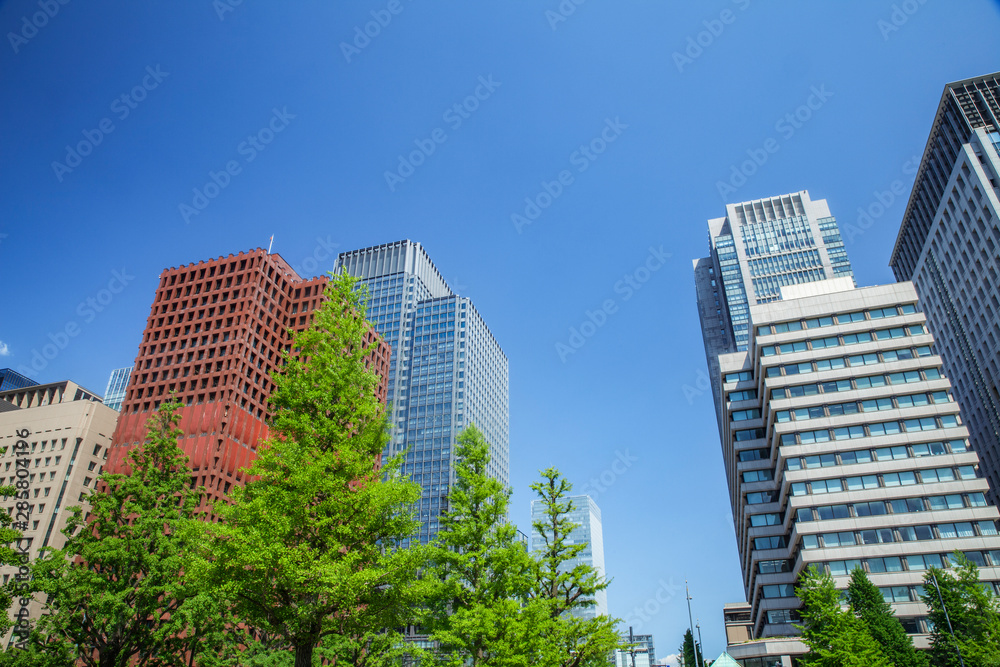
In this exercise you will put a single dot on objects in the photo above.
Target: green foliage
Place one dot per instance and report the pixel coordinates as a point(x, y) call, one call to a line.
point(690, 650)
point(482, 573)
point(836, 637)
point(121, 589)
point(876, 614)
point(973, 611)
point(566, 640)
point(309, 550)
point(9, 555)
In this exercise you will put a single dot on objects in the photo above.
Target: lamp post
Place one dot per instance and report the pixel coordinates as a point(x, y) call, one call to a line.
point(687, 593)
point(701, 646)
point(946, 617)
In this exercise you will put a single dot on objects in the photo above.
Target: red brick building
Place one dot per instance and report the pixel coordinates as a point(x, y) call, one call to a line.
point(214, 335)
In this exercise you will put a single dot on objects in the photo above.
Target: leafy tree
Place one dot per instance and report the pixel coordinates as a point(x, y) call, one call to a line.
point(309, 550)
point(690, 650)
point(566, 639)
point(121, 585)
point(10, 539)
point(972, 610)
point(482, 573)
point(836, 637)
point(876, 614)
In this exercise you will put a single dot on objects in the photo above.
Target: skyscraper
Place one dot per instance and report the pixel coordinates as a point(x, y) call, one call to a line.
point(757, 248)
point(949, 246)
point(844, 448)
point(214, 336)
point(117, 384)
point(643, 654)
point(589, 531)
point(447, 370)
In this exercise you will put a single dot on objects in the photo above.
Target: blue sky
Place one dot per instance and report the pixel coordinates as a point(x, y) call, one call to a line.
point(589, 115)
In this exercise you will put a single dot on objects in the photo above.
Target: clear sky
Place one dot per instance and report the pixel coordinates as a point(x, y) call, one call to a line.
point(610, 117)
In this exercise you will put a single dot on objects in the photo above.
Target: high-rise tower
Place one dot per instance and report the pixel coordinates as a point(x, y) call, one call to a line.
point(447, 370)
point(213, 338)
point(756, 249)
point(949, 246)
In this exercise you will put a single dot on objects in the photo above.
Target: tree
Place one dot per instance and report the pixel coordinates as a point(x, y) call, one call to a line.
point(876, 614)
point(10, 540)
point(482, 573)
point(690, 650)
point(562, 588)
point(121, 584)
point(835, 637)
point(972, 611)
point(309, 550)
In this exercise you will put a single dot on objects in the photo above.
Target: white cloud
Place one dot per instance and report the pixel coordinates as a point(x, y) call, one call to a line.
point(672, 660)
point(4, 350)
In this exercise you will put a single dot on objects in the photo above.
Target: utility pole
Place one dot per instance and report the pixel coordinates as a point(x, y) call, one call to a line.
point(697, 624)
point(687, 593)
point(947, 618)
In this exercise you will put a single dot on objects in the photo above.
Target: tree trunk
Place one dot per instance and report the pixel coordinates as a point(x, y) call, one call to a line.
point(304, 655)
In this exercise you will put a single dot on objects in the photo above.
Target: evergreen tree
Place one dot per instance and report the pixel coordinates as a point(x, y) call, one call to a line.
point(836, 637)
point(309, 552)
point(121, 589)
point(482, 572)
point(972, 610)
point(566, 640)
point(876, 614)
point(690, 650)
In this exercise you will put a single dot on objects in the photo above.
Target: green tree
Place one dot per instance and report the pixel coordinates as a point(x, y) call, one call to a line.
point(120, 586)
point(309, 550)
point(10, 539)
point(482, 573)
point(566, 640)
point(876, 614)
point(972, 609)
point(690, 650)
point(835, 637)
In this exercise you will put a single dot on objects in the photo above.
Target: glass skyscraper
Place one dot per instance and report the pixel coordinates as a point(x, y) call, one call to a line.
point(587, 515)
point(759, 247)
point(11, 379)
point(949, 246)
point(117, 384)
point(447, 370)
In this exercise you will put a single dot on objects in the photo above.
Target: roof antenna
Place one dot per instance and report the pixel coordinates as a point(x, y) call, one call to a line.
point(270, 244)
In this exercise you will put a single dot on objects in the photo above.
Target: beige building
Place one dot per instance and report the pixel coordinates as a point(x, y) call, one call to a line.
point(68, 435)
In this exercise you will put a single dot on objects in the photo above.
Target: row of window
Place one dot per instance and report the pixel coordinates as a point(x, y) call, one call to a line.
point(941, 531)
point(878, 508)
point(913, 563)
point(843, 318)
point(884, 480)
point(870, 430)
point(913, 450)
point(853, 361)
point(856, 407)
point(865, 382)
point(843, 339)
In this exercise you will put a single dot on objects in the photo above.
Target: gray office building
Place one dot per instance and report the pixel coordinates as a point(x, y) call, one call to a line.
point(949, 246)
point(589, 531)
point(447, 370)
point(117, 386)
point(756, 249)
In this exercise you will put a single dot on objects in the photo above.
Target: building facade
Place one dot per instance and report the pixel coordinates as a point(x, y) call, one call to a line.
point(11, 379)
point(643, 653)
point(447, 370)
point(756, 249)
point(213, 339)
point(949, 247)
point(117, 384)
point(68, 437)
point(589, 531)
point(844, 447)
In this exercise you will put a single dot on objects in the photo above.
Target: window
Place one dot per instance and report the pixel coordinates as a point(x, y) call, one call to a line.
point(916, 533)
point(890, 453)
point(769, 519)
point(923, 562)
point(743, 415)
point(906, 505)
point(862, 482)
point(899, 479)
point(895, 593)
point(873, 508)
point(827, 486)
point(773, 566)
point(833, 512)
point(859, 456)
point(730, 377)
point(758, 476)
point(817, 322)
point(778, 591)
point(949, 502)
point(762, 497)
point(771, 542)
point(846, 318)
point(937, 475)
point(887, 564)
point(842, 568)
point(821, 460)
